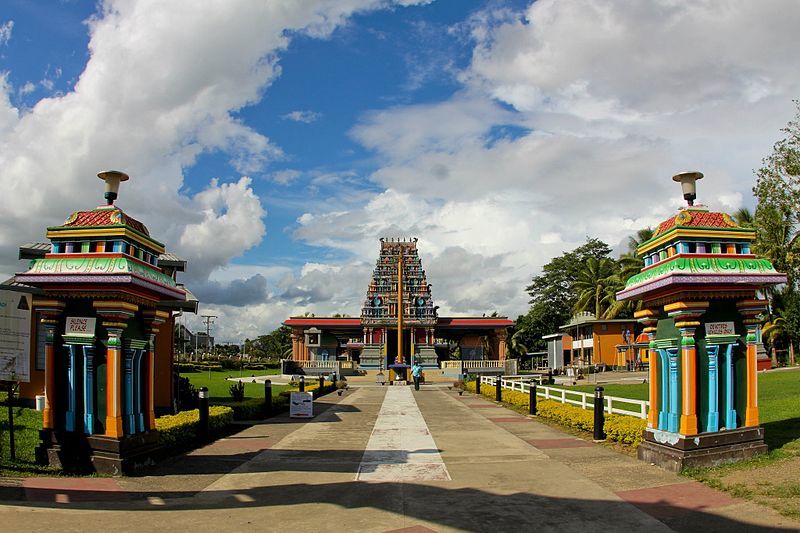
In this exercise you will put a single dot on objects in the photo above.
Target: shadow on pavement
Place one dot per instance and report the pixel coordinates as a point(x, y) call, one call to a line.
point(463, 508)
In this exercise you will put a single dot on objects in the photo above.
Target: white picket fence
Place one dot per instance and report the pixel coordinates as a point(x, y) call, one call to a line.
point(584, 400)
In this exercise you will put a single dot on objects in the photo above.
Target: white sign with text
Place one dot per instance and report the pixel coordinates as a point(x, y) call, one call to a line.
point(301, 405)
point(78, 325)
point(15, 336)
point(720, 328)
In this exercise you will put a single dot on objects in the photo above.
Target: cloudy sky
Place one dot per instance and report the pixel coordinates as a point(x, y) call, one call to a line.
point(272, 143)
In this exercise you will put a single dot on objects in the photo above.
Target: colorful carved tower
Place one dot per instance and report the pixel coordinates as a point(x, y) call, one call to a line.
point(699, 307)
point(398, 316)
point(101, 310)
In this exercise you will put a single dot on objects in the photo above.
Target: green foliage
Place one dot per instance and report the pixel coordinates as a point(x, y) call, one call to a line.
point(553, 296)
point(596, 285)
point(275, 346)
point(187, 394)
point(237, 391)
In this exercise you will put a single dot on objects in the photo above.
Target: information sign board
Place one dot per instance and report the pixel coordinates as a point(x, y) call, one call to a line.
point(80, 326)
point(720, 328)
point(15, 336)
point(301, 405)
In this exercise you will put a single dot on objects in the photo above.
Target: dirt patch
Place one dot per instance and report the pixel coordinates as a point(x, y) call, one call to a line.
point(776, 485)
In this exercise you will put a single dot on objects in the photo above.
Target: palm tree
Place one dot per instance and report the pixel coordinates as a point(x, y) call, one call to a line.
point(643, 235)
point(593, 283)
point(744, 217)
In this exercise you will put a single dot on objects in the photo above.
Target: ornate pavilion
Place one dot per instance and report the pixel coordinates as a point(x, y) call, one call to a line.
point(105, 291)
point(699, 290)
point(398, 298)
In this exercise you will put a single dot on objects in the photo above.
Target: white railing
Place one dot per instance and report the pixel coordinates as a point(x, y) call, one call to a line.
point(584, 400)
point(473, 364)
point(318, 364)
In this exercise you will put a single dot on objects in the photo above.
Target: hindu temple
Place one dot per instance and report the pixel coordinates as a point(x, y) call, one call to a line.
point(699, 293)
point(105, 295)
point(398, 323)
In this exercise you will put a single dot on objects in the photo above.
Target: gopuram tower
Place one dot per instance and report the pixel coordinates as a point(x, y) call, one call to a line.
point(398, 315)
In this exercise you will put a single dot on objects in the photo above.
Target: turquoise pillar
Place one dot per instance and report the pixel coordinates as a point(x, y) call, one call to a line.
point(663, 405)
point(128, 417)
point(673, 418)
point(70, 414)
point(137, 398)
point(730, 407)
point(712, 422)
point(88, 389)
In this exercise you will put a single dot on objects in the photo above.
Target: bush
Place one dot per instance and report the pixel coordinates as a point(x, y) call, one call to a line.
point(187, 394)
point(620, 428)
point(251, 409)
point(237, 391)
point(178, 432)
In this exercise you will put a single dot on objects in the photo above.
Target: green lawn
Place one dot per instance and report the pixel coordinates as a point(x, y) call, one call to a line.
point(27, 423)
point(219, 387)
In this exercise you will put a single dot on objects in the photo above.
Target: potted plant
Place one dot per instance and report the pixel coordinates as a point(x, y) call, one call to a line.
point(459, 386)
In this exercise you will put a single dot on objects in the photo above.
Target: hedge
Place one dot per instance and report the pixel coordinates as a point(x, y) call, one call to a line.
point(179, 431)
point(620, 428)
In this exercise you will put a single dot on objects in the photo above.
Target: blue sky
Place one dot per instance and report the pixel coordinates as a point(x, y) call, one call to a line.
point(272, 144)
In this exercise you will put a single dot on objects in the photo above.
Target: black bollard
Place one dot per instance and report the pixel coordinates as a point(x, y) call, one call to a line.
point(498, 393)
point(599, 414)
point(478, 384)
point(267, 398)
point(321, 384)
point(549, 377)
point(302, 383)
point(532, 402)
point(202, 425)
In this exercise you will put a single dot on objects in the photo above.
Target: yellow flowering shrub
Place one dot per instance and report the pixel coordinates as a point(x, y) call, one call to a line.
point(180, 430)
point(618, 428)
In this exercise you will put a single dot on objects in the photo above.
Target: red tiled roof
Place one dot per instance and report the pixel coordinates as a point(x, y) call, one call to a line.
point(486, 322)
point(703, 219)
point(104, 217)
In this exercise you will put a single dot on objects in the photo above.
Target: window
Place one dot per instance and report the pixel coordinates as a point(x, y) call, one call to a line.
point(41, 336)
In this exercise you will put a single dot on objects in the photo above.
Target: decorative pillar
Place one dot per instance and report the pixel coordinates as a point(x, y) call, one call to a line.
point(730, 407)
point(649, 319)
point(115, 315)
point(750, 309)
point(674, 388)
point(686, 314)
point(88, 390)
point(114, 380)
point(69, 419)
point(50, 311)
point(153, 319)
point(715, 345)
point(129, 416)
point(501, 344)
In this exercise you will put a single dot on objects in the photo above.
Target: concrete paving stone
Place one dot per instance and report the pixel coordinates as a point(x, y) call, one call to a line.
point(305, 480)
point(667, 501)
point(549, 444)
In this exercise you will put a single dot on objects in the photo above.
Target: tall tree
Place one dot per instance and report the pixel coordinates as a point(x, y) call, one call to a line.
point(553, 295)
point(777, 215)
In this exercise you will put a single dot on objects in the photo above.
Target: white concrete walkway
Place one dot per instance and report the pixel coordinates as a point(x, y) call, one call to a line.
point(400, 447)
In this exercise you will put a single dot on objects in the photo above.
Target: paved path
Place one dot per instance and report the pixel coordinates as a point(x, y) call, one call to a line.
point(389, 459)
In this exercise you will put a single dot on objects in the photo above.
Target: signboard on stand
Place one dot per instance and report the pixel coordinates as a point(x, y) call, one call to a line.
point(80, 326)
point(15, 336)
point(301, 405)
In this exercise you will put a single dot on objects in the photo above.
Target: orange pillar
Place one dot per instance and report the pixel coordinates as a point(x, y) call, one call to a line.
point(114, 380)
point(750, 309)
point(50, 311)
point(751, 412)
point(501, 345)
point(48, 414)
point(688, 424)
point(649, 319)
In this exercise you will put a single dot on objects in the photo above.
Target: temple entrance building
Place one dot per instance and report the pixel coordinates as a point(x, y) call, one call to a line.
point(398, 299)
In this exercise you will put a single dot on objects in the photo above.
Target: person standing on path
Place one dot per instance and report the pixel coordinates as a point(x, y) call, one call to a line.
point(416, 373)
